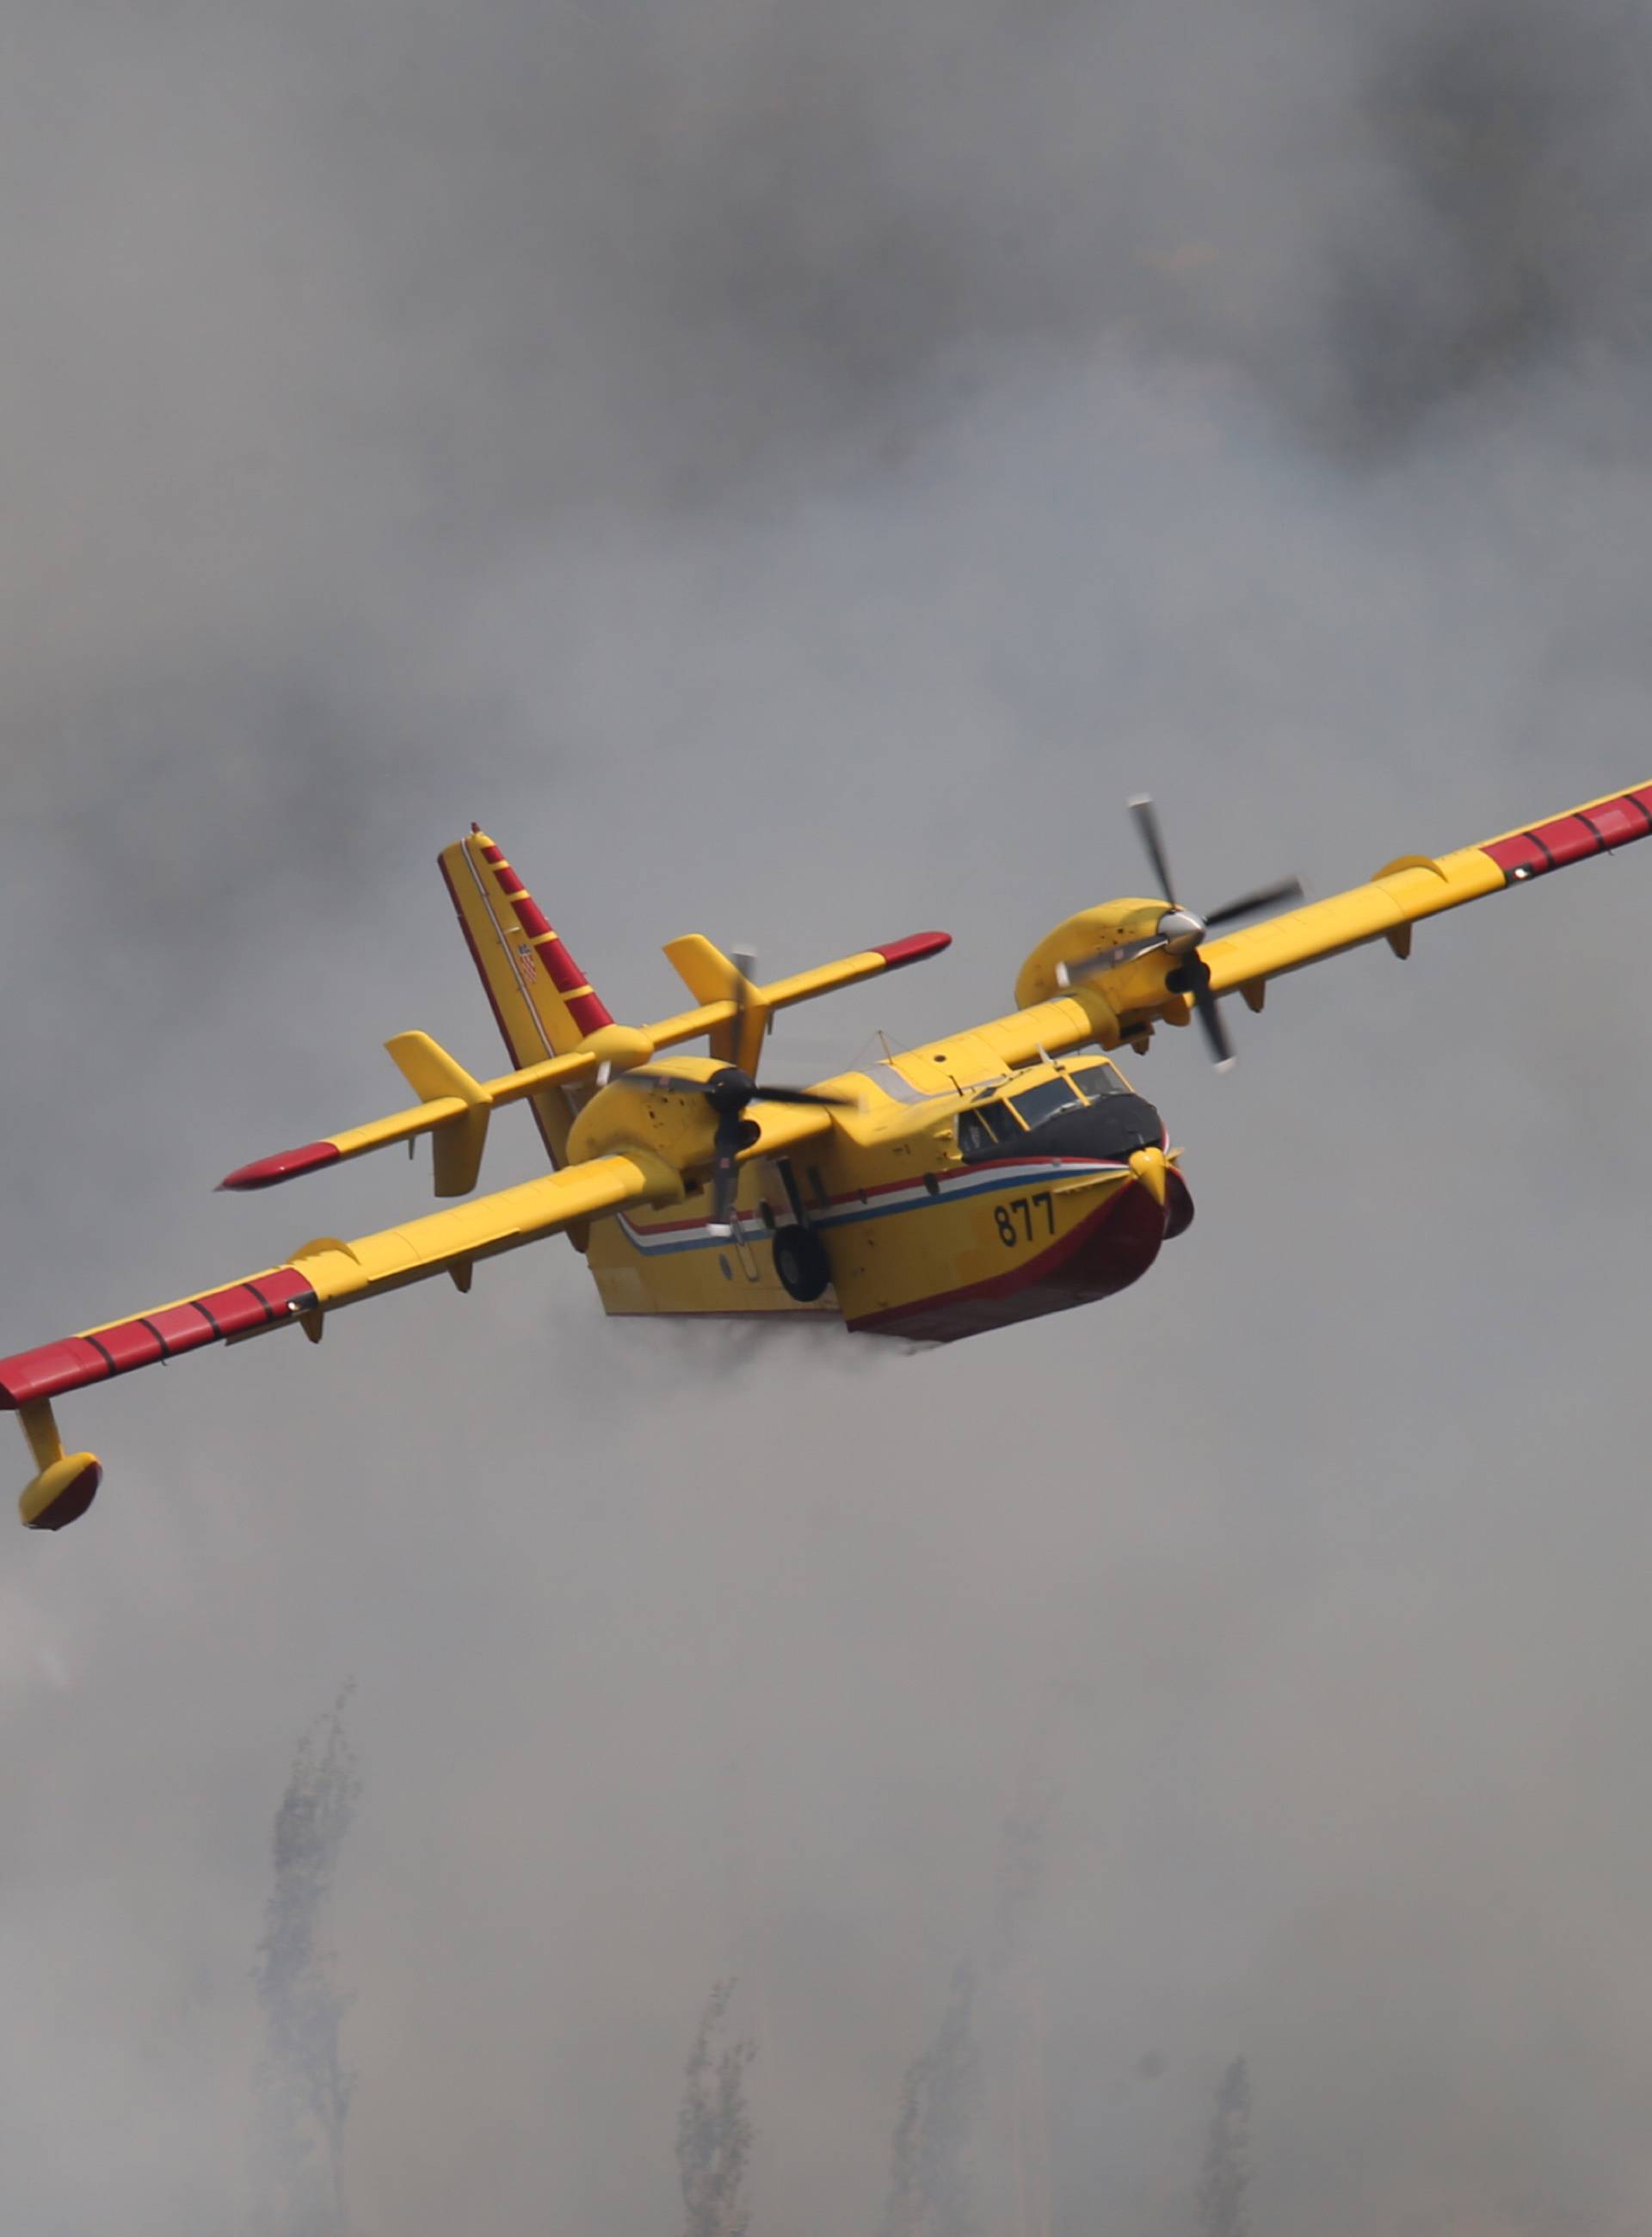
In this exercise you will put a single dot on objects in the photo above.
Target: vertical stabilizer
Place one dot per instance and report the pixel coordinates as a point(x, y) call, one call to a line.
point(542, 999)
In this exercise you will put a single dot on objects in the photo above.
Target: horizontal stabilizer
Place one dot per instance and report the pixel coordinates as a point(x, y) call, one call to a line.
point(458, 1142)
point(455, 1110)
point(715, 979)
point(456, 1107)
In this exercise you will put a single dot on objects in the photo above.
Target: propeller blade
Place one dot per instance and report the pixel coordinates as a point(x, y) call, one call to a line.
point(717, 1088)
point(1105, 959)
point(1147, 824)
point(730, 1137)
point(745, 963)
point(1265, 897)
point(1210, 1015)
point(805, 1095)
point(1182, 930)
point(673, 1083)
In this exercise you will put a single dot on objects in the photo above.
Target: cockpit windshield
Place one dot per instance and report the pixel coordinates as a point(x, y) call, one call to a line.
point(1066, 1090)
point(1099, 1079)
point(990, 1124)
point(1047, 1098)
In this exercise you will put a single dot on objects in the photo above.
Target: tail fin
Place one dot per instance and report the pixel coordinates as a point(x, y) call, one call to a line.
point(542, 1000)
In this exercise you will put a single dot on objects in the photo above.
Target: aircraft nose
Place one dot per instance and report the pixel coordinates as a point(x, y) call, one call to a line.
point(1150, 1169)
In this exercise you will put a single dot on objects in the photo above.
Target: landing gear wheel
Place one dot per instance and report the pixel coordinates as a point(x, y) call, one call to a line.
point(801, 1263)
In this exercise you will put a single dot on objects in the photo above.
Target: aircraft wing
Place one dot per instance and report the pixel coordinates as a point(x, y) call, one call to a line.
point(329, 1273)
point(1419, 885)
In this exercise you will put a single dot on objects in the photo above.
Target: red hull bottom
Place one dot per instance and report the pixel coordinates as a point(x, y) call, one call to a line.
point(1112, 1249)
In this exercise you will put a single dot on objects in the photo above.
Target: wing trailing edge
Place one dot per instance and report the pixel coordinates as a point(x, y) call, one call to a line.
point(321, 1276)
point(1422, 886)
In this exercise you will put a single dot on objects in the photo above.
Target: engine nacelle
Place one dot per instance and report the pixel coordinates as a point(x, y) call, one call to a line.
point(1109, 925)
point(677, 1128)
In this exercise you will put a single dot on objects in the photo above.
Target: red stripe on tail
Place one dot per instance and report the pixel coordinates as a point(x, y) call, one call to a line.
point(588, 1010)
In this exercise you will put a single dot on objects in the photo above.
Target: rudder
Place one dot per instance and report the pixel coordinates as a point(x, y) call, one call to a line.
point(543, 1002)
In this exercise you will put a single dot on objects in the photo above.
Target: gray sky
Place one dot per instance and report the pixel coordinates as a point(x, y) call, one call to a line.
point(793, 473)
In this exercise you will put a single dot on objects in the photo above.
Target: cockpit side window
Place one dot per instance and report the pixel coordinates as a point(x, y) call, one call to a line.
point(984, 1129)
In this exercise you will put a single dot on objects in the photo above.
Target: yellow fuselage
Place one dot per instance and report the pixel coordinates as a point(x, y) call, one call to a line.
point(926, 1237)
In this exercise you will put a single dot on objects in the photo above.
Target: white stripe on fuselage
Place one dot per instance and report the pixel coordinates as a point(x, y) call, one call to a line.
point(847, 1210)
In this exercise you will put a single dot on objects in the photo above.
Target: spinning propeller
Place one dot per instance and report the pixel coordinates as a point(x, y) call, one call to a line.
point(728, 1092)
point(1181, 932)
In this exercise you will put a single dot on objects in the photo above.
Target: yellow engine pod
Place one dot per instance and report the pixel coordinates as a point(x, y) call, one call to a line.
point(678, 1127)
point(1109, 925)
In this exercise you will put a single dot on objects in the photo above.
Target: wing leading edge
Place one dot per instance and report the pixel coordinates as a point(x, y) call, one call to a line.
point(323, 1275)
point(1419, 885)
point(1123, 1003)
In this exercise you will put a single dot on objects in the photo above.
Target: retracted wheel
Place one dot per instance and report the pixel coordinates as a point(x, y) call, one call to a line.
point(801, 1263)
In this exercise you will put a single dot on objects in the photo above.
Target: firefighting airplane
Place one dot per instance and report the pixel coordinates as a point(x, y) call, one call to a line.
point(1002, 1173)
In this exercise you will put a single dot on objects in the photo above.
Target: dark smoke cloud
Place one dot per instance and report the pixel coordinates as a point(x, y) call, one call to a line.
point(795, 474)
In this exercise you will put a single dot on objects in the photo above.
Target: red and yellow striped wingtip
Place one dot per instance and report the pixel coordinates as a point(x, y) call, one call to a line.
point(73, 1361)
point(1599, 828)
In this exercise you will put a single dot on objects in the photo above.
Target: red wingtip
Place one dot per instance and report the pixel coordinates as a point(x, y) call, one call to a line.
point(264, 1172)
point(913, 950)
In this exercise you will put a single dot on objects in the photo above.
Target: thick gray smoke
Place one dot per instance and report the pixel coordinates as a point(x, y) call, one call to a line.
point(791, 472)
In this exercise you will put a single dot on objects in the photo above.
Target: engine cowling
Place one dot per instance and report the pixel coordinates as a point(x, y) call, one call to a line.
point(1111, 924)
point(678, 1129)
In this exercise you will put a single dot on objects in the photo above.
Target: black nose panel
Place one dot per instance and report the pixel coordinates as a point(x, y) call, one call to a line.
point(1111, 1126)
